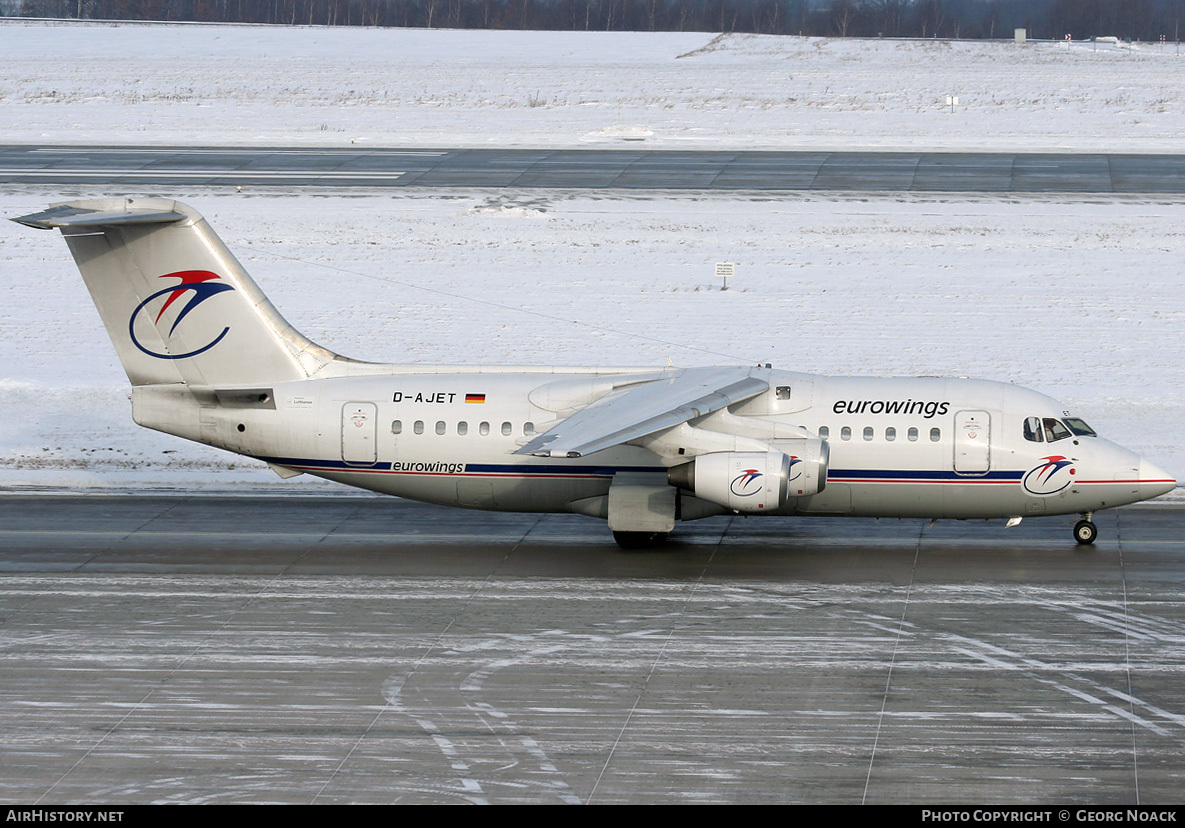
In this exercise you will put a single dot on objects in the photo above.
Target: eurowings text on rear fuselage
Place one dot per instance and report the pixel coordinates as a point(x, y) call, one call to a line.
point(211, 360)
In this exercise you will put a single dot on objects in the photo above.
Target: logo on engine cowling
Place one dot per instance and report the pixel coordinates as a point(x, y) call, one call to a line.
point(1050, 476)
point(746, 483)
point(196, 282)
point(795, 473)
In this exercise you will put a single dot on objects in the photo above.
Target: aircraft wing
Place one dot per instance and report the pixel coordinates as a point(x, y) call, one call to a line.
point(642, 409)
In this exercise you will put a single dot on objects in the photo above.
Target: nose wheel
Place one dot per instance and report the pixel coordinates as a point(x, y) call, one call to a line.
point(1085, 531)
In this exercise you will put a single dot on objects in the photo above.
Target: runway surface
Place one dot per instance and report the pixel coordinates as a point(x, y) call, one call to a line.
point(355, 649)
point(137, 168)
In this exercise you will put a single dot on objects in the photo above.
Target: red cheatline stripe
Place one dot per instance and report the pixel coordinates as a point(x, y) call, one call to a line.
point(1166, 480)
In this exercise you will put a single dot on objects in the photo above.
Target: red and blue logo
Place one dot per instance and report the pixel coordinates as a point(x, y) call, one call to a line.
point(1050, 476)
point(795, 460)
point(746, 484)
point(196, 287)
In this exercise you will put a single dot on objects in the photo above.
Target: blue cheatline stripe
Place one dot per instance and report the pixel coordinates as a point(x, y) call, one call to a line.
point(525, 469)
point(470, 468)
point(565, 468)
point(919, 475)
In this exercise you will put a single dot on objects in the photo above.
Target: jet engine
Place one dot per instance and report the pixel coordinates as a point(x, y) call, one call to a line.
point(755, 481)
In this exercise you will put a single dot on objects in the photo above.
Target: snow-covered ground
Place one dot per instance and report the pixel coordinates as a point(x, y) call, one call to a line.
point(408, 87)
point(1077, 297)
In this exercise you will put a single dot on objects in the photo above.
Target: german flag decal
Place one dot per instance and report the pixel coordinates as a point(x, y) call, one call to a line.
point(475, 398)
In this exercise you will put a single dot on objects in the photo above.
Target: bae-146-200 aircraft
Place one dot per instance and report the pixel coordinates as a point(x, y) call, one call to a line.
point(210, 359)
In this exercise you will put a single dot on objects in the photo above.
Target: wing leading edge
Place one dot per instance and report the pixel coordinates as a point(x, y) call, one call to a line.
point(640, 410)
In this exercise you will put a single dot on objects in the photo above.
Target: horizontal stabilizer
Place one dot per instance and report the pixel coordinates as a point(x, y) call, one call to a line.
point(66, 215)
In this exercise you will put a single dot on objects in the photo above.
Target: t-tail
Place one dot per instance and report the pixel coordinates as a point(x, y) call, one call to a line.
point(176, 303)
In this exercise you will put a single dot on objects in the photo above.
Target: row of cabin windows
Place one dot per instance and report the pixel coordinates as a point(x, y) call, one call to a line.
point(845, 433)
point(462, 428)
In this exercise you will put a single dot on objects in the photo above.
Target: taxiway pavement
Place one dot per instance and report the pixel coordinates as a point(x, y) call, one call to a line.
point(193, 648)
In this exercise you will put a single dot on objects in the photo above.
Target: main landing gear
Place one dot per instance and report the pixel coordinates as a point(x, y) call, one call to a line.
point(1085, 531)
point(639, 540)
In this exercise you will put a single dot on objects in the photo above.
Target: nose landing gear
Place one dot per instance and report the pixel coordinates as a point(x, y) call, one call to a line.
point(1084, 530)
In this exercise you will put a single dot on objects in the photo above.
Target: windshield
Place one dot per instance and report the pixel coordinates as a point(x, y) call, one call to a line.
point(1079, 427)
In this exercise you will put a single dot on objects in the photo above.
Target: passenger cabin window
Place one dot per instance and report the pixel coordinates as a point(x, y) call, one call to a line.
point(890, 434)
point(528, 429)
point(824, 432)
point(868, 432)
point(845, 433)
point(462, 428)
point(913, 435)
point(397, 427)
point(1033, 429)
point(418, 427)
point(506, 429)
point(1054, 430)
point(935, 435)
point(484, 429)
point(440, 427)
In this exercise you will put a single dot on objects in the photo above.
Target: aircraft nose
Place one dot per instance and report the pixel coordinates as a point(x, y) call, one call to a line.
point(1154, 480)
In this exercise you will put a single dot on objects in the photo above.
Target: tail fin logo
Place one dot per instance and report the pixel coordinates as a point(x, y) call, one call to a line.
point(196, 286)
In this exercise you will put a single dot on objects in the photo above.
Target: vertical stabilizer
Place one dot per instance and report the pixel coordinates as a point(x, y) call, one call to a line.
point(176, 303)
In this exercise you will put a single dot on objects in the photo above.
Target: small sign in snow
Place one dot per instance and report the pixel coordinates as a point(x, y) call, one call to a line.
point(724, 271)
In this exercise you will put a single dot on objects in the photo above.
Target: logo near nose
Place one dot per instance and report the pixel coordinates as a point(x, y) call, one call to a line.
point(1050, 476)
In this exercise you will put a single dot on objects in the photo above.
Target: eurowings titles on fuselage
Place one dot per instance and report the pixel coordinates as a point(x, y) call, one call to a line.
point(211, 360)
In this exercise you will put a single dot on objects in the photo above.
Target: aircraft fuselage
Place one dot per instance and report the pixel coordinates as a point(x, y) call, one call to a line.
point(899, 447)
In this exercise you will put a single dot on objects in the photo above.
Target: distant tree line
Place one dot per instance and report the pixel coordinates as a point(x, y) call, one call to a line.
point(1147, 20)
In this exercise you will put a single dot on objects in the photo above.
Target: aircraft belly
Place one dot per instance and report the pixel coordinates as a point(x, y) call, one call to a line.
point(974, 500)
point(836, 499)
point(526, 494)
point(946, 499)
point(501, 487)
point(898, 499)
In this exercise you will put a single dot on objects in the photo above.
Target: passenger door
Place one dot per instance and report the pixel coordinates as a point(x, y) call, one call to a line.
point(973, 442)
point(359, 422)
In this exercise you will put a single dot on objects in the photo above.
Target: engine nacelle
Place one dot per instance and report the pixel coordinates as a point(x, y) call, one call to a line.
point(809, 459)
point(755, 481)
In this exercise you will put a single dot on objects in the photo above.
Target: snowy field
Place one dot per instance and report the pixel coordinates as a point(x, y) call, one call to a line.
point(1078, 297)
point(272, 85)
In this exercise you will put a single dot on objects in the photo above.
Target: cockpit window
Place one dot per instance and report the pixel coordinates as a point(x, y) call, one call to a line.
point(1054, 430)
point(1033, 429)
point(1079, 427)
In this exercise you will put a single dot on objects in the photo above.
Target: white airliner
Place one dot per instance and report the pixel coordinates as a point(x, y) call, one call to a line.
point(211, 360)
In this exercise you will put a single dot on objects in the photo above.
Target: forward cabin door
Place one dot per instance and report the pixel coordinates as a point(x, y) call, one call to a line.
point(359, 424)
point(973, 442)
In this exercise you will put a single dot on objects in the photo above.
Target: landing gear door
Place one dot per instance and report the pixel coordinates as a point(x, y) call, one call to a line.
point(973, 442)
point(359, 423)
